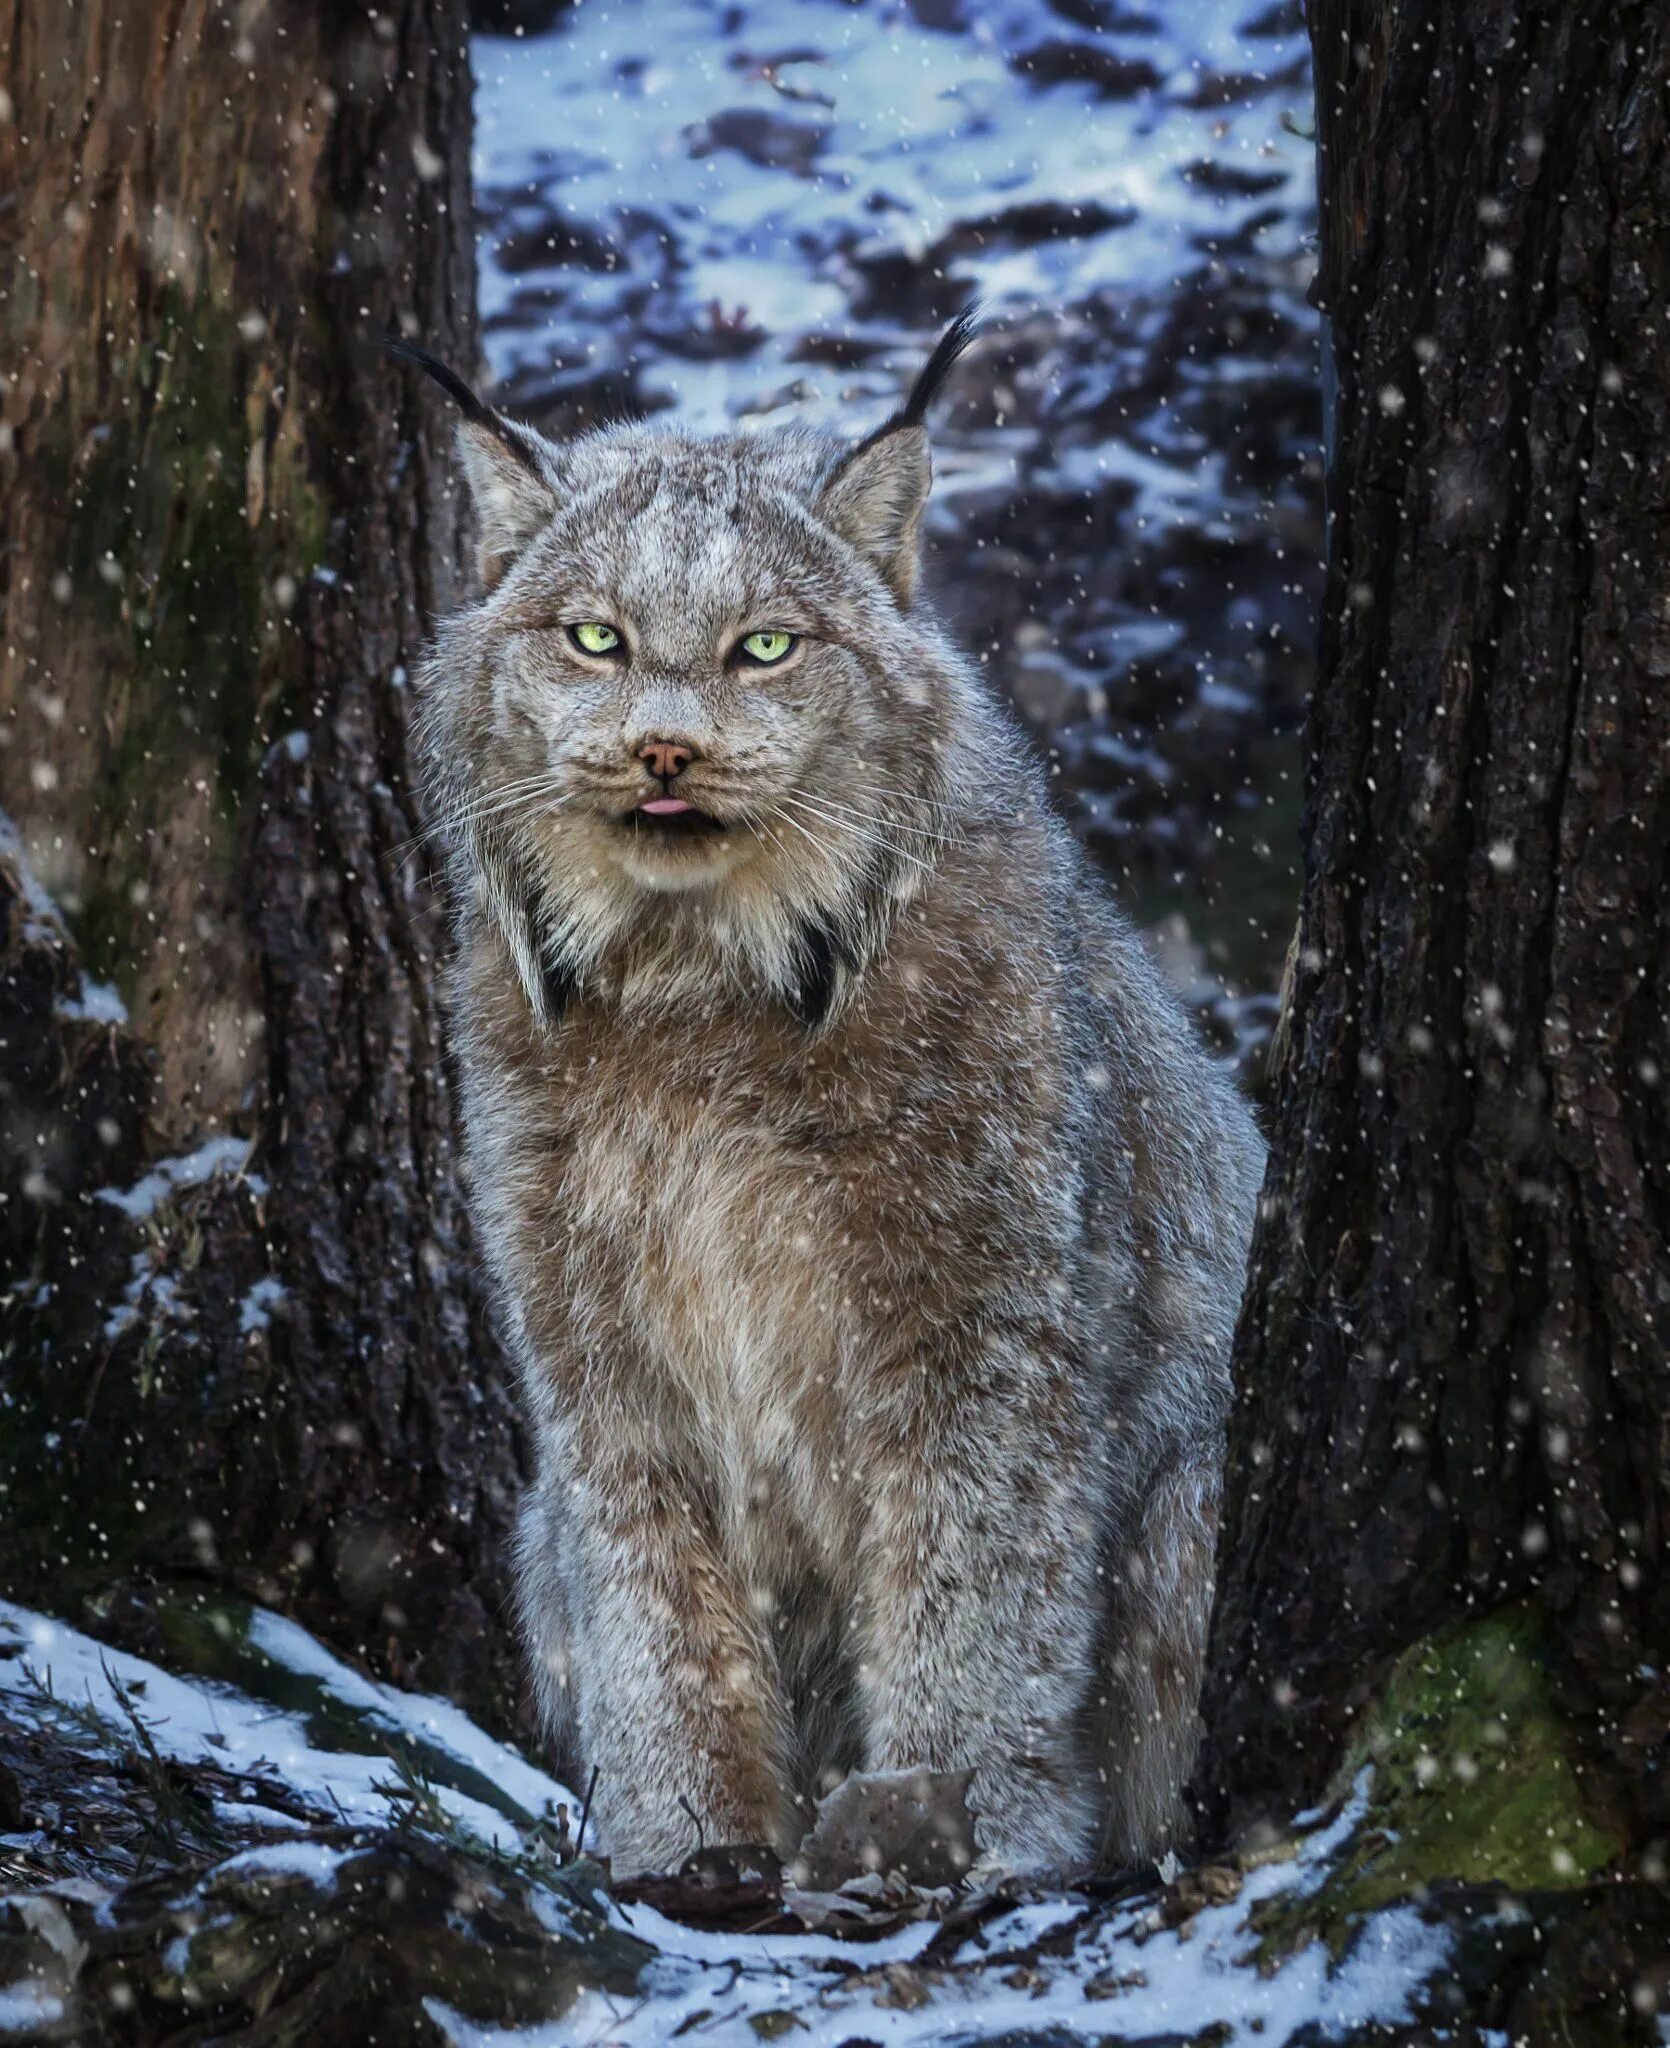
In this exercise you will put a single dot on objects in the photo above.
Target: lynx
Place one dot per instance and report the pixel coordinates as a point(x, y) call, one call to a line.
point(866, 1223)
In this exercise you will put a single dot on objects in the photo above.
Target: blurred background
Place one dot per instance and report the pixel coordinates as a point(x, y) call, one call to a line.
point(756, 211)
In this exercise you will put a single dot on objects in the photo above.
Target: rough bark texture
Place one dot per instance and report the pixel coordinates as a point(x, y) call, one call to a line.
point(1455, 1353)
point(224, 524)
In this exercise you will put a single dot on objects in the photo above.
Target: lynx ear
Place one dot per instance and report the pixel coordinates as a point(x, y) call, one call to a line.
point(874, 501)
point(512, 494)
point(509, 468)
point(875, 498)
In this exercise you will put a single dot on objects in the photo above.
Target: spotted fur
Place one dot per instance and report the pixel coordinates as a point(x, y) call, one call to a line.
point(867, 1224)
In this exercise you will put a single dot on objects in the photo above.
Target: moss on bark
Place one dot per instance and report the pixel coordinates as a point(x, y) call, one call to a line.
point(1465, 1772)
point(194, 523)
point(1477, 1775)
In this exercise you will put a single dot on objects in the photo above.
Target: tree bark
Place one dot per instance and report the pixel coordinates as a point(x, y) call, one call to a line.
point(225, 523)
point(1454, 1357)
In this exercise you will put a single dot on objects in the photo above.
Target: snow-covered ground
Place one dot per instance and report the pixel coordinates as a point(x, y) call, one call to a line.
point(1133, 1969)
point(688, 191)
point(1130, 1978)
point(50, 1672)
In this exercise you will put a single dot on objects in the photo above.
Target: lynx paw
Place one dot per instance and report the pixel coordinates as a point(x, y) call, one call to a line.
point(1023, 1831)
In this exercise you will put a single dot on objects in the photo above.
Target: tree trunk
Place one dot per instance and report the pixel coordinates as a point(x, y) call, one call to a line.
point(1452, 1445)
point(225, 523)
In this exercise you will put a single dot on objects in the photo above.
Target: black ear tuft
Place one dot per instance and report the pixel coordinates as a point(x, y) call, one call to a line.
point(951, 344)
point(474, 409)
point(449, 380)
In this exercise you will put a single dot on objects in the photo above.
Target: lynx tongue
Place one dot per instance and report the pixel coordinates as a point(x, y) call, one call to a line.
point(665, 807)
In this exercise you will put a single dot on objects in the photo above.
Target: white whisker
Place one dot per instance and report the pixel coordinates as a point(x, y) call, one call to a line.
point(490, 804)
point(909, 796)
point(822, 845)
point(764, 834)
point(488, 799)
point(551, 800)
point(858, 832)
point(935, 836)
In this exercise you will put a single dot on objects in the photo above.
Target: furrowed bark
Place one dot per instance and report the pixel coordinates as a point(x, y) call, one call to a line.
point(225, 522)
point(1454, 1357)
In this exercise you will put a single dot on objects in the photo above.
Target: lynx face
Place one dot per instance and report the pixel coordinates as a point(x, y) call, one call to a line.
point(691, 660)
point(695, 726)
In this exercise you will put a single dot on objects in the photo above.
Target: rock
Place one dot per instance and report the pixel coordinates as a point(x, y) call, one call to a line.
point(1213, 1884)
point(1059, 61)
point(336, 1937)
point(913, 1822)
point(776, 141)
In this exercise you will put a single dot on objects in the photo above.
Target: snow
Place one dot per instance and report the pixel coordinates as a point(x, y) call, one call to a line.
point(1147, 1982)
point(202, 1720)
point(146, 1288)
point(244, 1813)
point(655, 169)
point(215, 1155)
point(440, 1725)
point(27, 2007)
point(255, 1310)
point(315, 1860)
point(1183, 1978)
point(1121, 1973)
point(769, 1952)
point(98, 1002)
point(1165, 495)
point(43, 919)
point(1147, 1978)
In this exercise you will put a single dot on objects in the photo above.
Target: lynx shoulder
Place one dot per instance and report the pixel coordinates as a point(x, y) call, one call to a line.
point(867, 1224)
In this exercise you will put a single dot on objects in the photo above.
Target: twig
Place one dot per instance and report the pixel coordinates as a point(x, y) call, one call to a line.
point(585, 1815)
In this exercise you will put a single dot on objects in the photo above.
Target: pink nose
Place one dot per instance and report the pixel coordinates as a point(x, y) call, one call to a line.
point(666, 758)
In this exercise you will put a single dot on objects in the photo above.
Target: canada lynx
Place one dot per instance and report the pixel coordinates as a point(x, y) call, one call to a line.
point(867, 1224)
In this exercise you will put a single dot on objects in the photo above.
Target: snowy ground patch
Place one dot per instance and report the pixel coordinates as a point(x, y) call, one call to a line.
point(1051, 1964)
point(1147, 1960)
point(47, 1667)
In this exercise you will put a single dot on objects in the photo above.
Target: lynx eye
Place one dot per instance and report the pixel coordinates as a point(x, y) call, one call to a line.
point(766, 648)
point(591, 636)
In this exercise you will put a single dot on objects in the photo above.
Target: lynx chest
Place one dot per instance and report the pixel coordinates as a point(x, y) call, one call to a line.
point(708, 1227)
point(725, 1247)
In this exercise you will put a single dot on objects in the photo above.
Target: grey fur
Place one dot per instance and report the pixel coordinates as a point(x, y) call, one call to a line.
point(867, 1223)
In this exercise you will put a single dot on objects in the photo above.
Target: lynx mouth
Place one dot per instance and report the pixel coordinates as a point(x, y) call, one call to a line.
point(672, 818)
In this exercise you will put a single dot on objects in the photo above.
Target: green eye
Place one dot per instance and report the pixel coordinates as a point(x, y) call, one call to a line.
point(767, 647)
point(593, 637)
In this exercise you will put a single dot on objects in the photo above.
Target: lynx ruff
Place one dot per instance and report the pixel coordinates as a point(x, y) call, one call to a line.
point(866, 1223)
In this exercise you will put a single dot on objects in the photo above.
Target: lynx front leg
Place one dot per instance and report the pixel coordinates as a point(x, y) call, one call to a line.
point(980, 1598)
point(675, 1694)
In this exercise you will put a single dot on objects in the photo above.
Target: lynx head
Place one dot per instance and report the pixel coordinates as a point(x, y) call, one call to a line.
point(698, 732)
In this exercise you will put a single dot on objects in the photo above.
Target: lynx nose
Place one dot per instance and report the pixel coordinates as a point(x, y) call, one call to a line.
point(666, 758)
